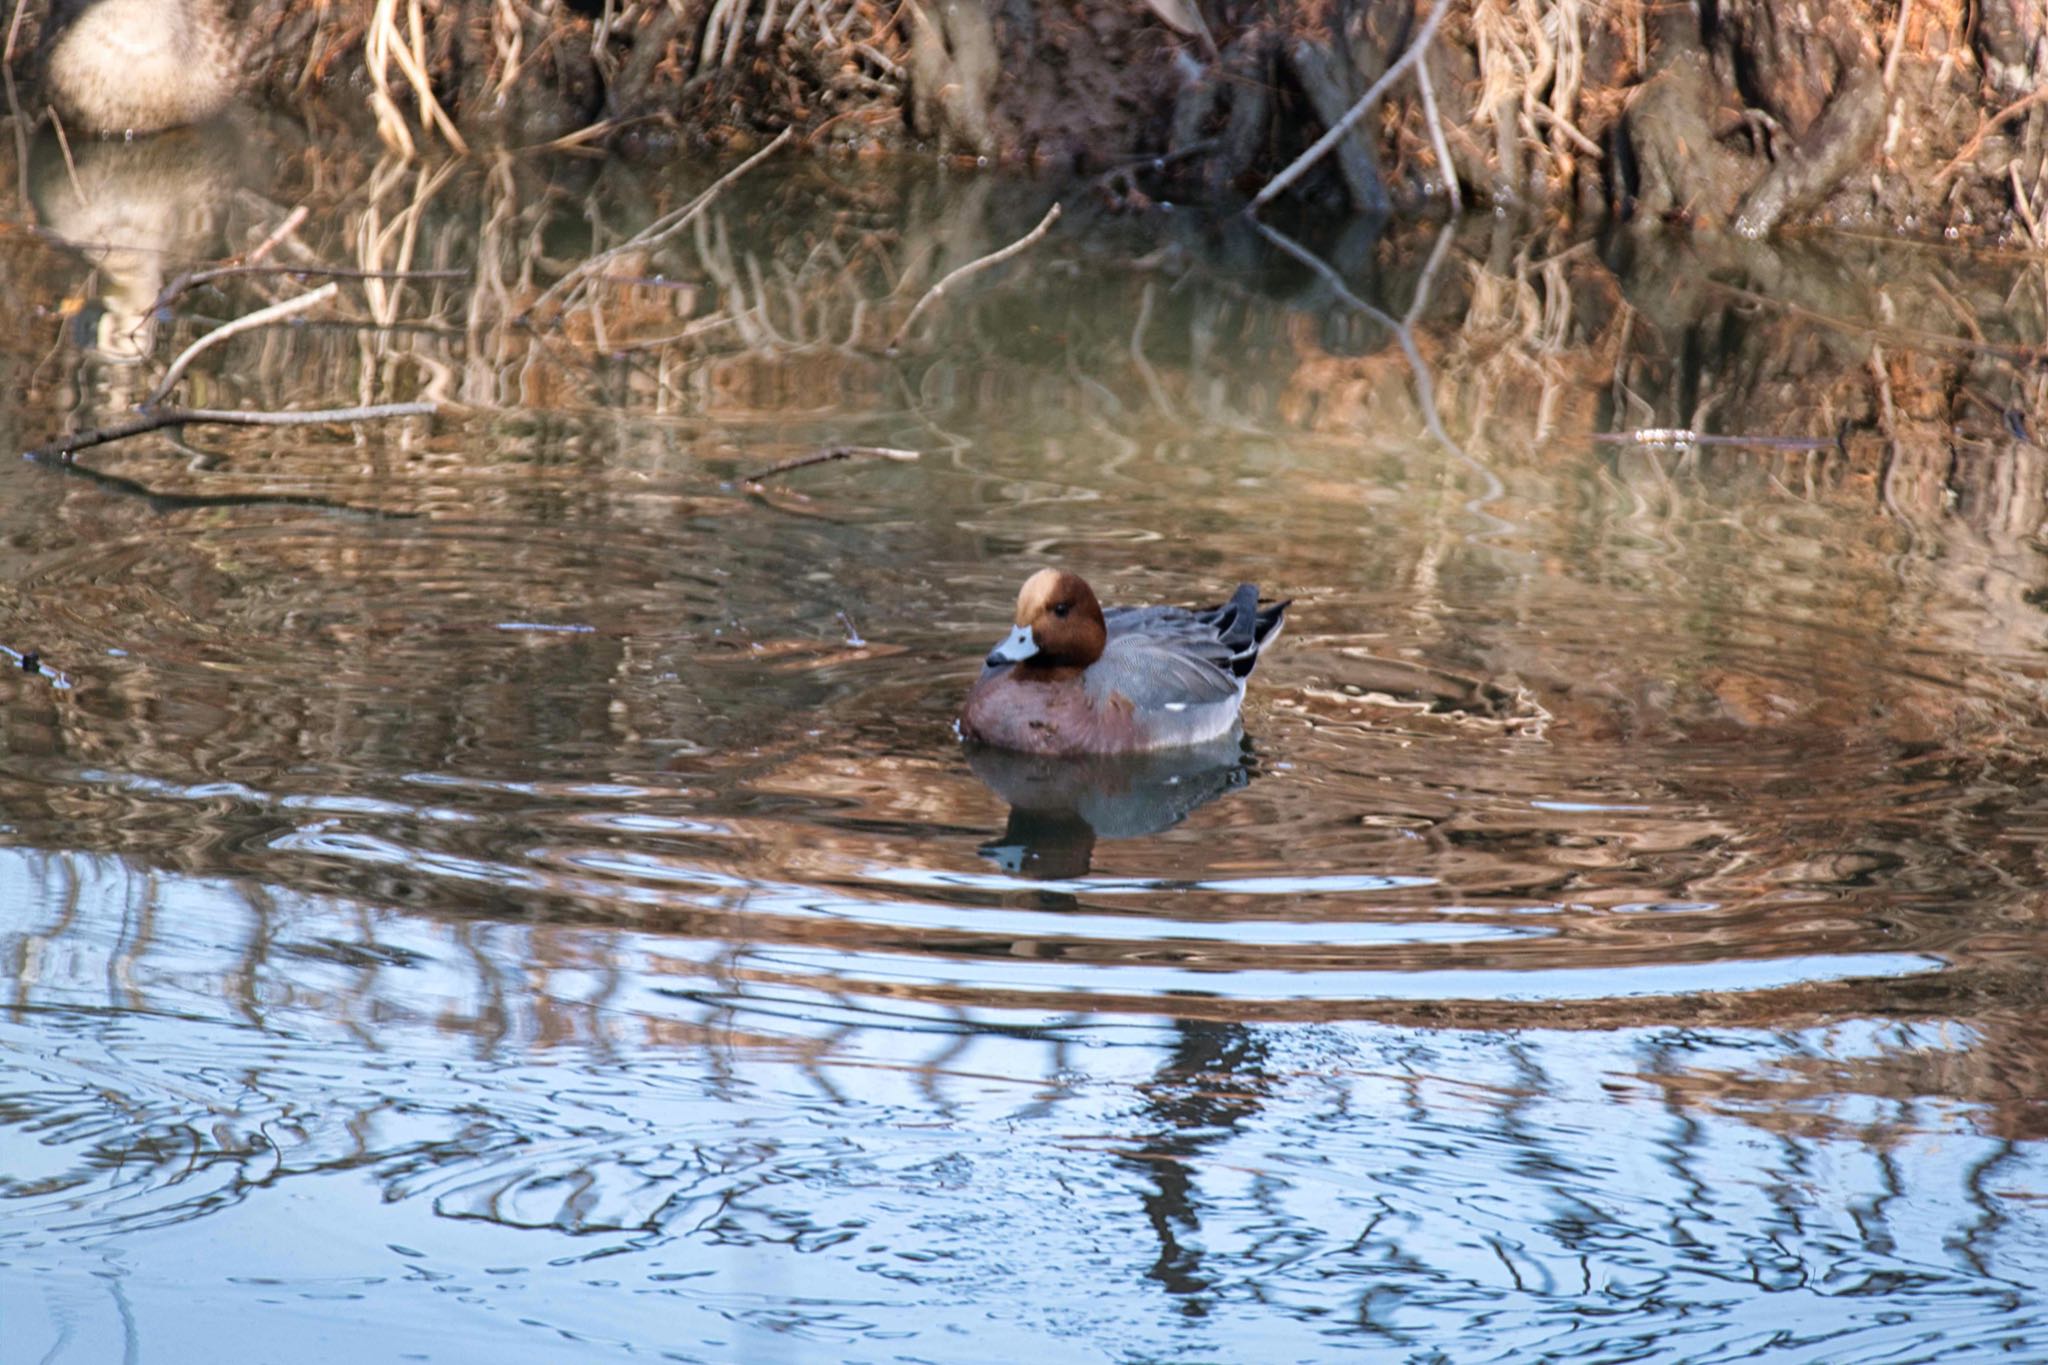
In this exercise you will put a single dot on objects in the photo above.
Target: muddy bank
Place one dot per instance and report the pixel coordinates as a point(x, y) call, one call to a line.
point(1919, 115)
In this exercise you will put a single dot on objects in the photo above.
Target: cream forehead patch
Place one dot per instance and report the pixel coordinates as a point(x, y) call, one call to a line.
point(1038, 593)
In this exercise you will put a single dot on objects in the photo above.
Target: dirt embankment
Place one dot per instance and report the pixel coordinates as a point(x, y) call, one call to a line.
point(1924, 115)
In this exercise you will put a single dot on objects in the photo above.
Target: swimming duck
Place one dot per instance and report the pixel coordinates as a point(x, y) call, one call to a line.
point(1072, 678)
point(121, 67)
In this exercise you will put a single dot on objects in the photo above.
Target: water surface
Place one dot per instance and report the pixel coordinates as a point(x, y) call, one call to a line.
point(507, 887)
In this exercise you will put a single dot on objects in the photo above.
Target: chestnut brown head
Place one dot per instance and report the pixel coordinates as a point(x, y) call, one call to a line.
point(1059, 622)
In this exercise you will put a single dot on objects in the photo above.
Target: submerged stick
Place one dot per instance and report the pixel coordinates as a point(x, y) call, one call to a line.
point(247, 322)
point(827, 455)
point(70, 445)
point(1332, 135)
point(1052, 215)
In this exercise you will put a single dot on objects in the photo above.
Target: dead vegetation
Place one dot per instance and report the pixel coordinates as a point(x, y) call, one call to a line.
point(1917, 114)
point(497, 283)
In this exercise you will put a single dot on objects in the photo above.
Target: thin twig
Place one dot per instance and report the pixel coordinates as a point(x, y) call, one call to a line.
point(262, 317)
point(1436, 139)
point(2011, 111)
point(70, 165)
point(292, 222)
point(229, 417)
point(937, 291)
point(192, 279)
point(1153, 161)
point(13, 33)
point(1898, 43)
point(1336, 131)
point(660, 227)
point(827, 455)
point(1904, 336)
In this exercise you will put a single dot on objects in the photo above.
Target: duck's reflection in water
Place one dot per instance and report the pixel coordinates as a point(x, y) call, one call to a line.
point(1060, 806)
point(1215, 1076)
point(133, 211)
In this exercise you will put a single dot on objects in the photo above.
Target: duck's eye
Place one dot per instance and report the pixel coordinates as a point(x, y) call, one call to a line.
point(1060, 609)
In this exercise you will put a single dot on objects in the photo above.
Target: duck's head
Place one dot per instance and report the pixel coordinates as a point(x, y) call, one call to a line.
point(1058, 622)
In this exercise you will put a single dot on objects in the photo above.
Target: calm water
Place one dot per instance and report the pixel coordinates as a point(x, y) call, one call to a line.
point(503, 888)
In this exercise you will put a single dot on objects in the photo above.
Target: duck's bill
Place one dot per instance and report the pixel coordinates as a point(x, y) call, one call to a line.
point(1015, 648)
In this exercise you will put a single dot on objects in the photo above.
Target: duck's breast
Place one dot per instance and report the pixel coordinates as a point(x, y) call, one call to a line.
point(1047, 711)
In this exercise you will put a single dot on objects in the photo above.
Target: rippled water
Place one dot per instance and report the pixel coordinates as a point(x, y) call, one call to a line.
point(506, 887)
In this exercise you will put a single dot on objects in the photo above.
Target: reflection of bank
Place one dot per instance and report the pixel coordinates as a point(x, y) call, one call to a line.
point(1059, 806)
point(134, 211)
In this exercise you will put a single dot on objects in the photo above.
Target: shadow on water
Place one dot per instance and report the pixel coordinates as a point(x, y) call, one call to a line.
point(553, 912)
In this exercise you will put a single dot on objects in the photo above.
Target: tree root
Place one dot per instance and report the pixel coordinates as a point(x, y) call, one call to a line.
point(1322, 75)
point(1838, 142)
point(952, 70)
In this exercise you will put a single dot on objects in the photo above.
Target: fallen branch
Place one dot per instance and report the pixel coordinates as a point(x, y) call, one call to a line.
point(1332, 135)
point(65, 448)
point(974, 267)
point(659, 228)
point(825, 456)
point(262, 317)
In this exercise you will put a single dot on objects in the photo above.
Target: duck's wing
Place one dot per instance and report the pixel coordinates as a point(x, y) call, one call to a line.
point(1164, 672)
point(1229, 636)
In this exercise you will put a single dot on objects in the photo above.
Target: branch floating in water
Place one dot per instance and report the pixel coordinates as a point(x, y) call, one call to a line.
point(68, 446)
point(825, 456)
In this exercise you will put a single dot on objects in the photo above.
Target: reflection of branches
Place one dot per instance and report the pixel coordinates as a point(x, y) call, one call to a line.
point(973, 267)
point(192, 279)
point(1404, 335)
point(182, 502)
point(660, 228)
point(262, 317)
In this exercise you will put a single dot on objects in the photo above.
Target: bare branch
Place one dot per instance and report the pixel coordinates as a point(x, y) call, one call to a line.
point(230, 417)
point(191, 279)
point(1336, 131)
point(827, 455)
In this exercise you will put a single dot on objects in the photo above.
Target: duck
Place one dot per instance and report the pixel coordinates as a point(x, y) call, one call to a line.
point(1071, 678)
point(121, 68)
